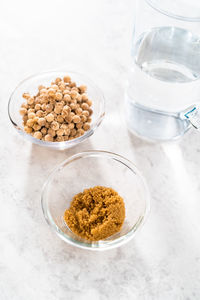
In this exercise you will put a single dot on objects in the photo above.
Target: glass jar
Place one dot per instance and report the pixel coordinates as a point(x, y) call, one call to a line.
point(164, 81)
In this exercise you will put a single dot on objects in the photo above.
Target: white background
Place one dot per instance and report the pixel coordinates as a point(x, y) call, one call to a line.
point(163, 261)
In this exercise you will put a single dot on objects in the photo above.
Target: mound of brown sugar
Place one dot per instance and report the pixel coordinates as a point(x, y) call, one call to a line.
point(96, 214)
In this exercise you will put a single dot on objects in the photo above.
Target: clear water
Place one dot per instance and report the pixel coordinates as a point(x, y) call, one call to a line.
point(164, 82)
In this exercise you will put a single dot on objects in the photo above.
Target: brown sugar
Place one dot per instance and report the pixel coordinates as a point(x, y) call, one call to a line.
point(96, 213)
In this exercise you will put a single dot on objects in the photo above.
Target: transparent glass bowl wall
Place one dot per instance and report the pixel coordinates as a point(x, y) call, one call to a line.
point(31, 85)
point(89, 169)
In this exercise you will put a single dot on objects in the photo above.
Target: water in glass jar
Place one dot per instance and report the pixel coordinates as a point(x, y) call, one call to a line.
point(164, 82)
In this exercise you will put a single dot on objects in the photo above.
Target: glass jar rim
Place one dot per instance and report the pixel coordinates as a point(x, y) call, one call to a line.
point(176, 12)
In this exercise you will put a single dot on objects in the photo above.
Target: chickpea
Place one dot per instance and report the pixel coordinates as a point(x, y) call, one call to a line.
point(51, 92)
point(48, 138)
point(60, 139)
point(72, 84)
point(83, 118)
point(66, 91)
point(76, 119)
point(37, 135)
point(44, 130)
point(36, 127)
point(85, 106)
point(35, 120)
point(64, 126)
point(73, 106)
point(85, 113)
point(67, 98)
point(54, 86)
point(67, 79)
point(60, 119)
point(68, 118)
point(71, 126)
point(90, 111)
point(73, 132)
point(49, 108)
point(41, 121)
point(28, 129)
point(25, 118)
point(38, 106)
point(30, 100)
point(39, 113)
point(66, 109)
point(80, 131)
point(43, 107)
point(62, 87)
point(23, 111)
point(60, 132)
point(79, 125)
point(58, 96)
point(60, 104)
point(66, 137)
point(37, 100)
point(58, 80)
point(25, 105)
point(31, 110)
point(40, 87)
point(26, 95)
point(79, 98)
point(41, 100)
point(50, 118)
point(58, 108)
point(89, 102)
point(82, 88)
point(78, 111)
point(67, 131)
point(75, 89)
point(74, 102)
point(86, 126)
point(43, 91)
point(77, 135)
point(51, 101)
point(44, 99)
point(31, 115)
point(73, 94)
point(84, 97)
point(55, 125)
point(51, 132)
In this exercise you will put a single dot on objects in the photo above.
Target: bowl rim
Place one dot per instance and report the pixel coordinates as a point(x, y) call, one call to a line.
point(64, 144)
point(100, 245)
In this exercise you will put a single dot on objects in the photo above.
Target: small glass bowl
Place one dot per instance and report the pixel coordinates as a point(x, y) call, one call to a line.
point(31, 84)
point(89, 169)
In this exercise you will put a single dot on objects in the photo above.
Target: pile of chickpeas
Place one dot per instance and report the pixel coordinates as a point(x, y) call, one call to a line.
point(57, 113)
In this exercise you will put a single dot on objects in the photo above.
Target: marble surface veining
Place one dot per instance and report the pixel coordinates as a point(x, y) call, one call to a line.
point(163, 261)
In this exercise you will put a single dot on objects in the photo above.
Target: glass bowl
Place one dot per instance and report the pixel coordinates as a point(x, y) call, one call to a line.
point(31, 84)
point(89, 169)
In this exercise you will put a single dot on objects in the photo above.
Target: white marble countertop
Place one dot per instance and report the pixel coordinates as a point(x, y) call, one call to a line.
point(163, 261)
